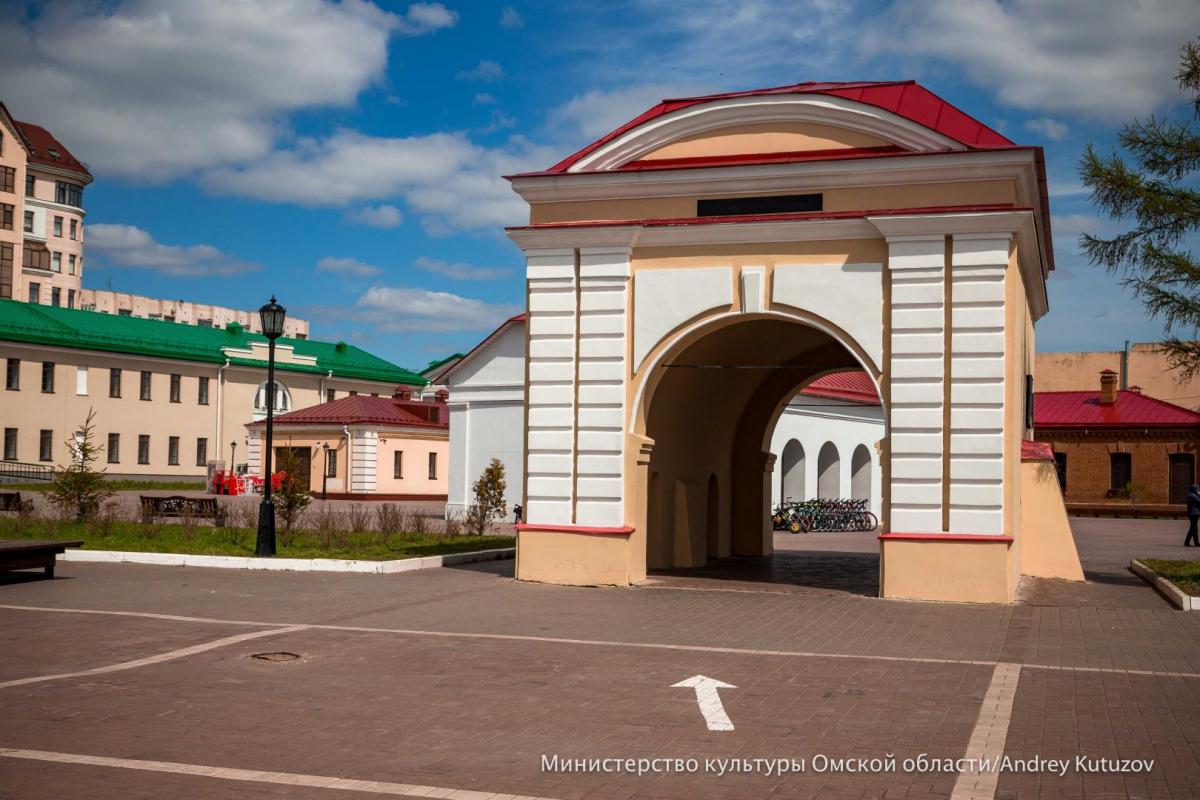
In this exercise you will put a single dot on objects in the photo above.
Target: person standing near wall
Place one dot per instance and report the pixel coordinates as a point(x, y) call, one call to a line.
point(1193, 510)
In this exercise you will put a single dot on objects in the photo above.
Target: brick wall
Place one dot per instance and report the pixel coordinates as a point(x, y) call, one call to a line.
point(1088, 473)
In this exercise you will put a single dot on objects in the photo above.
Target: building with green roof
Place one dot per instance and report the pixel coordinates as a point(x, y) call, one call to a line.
point(168, 397)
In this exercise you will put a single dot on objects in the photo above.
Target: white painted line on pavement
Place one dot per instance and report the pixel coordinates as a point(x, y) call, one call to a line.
point(691, 648)
point(156, 659)
point(258, 776)
point(988, 737)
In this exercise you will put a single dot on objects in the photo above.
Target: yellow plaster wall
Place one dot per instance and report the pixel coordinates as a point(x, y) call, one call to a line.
point(771, 137)
point(963, 572)
point(577, 559)
point(1048, 548)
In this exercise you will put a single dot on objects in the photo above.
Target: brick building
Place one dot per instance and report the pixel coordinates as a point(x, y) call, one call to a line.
point(1118, 448)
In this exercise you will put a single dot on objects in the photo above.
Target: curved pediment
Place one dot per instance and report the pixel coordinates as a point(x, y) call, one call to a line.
point(801, 119)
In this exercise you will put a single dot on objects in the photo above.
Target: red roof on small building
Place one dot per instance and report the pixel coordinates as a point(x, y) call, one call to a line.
point(854, 385)
point(1036, 451)
point(47, 151)
point(907, 99)
point(358, 409)
point(1129, 410)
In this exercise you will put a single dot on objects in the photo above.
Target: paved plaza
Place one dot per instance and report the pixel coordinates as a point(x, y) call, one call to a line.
point(127, 681)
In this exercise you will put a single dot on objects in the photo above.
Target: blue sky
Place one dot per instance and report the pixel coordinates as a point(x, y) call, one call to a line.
point(346, 156)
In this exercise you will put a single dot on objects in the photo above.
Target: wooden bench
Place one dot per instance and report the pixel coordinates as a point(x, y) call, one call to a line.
point(178, 506)
point(11, 501)
point(32, 554)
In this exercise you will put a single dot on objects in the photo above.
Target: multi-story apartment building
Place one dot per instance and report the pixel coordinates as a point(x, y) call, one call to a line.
point(181, 311)
point(168, 398)
point(41, 215)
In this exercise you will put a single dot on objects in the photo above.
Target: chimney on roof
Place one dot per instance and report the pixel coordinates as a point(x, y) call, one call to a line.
point(441, 395)
point(1108, 387)
point(402, 393)
point(1135, 389)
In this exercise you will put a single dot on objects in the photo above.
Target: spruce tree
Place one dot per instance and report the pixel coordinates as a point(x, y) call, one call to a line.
point(80, 489)
point(1154, 193)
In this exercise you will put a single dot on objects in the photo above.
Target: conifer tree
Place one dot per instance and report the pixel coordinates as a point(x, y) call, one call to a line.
point(1154, 191)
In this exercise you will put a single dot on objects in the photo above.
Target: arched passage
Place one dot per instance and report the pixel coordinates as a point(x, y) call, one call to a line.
point(791, 472)
point(860, 473)
point(829, 472)
point(709, 406)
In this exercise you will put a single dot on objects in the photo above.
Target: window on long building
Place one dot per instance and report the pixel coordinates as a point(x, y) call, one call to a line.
point(114, 448)
point(10, 444)
point(1120, 471)
point(46, 445)
point(143, 449)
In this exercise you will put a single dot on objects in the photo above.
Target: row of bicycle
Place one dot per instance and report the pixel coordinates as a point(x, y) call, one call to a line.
point(826, 514)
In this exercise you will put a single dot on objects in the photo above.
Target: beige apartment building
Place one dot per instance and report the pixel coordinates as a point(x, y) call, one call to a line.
point(168, 398)
point(41, 215)
point(182, 311)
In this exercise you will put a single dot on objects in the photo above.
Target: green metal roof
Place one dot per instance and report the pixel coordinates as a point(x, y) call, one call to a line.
point(92, 330)
point(434, 365)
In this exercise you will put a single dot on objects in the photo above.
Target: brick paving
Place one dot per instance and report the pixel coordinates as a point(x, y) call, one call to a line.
point(462, 678)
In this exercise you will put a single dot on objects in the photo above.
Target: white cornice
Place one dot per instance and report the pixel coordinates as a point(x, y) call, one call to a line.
point(53, 206)
point(960, 166)
point(723, 113)
point(575, 236)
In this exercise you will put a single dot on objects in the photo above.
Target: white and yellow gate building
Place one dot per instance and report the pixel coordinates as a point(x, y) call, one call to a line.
point(691, 271)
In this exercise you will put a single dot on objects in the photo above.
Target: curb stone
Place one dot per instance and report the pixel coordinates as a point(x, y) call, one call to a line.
point(287, 564)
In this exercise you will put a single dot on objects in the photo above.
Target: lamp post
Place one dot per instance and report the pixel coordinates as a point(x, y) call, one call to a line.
point(271, 315)
point(325, 473)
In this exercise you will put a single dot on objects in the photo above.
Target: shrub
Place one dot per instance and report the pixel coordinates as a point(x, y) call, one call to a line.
point(417, 522)
point(489, 499)
point(389, 520)
point(79, 490)
point(292, 497)
point(358, 518)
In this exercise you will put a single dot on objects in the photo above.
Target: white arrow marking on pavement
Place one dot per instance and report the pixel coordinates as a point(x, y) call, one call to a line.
point(709, 700)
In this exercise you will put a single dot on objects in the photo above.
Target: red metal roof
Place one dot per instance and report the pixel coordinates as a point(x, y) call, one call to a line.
point(361, 409)
point(1036, 451)
point(1130, 410)
point(854, 385)
point(907, 99)
point(42, 144)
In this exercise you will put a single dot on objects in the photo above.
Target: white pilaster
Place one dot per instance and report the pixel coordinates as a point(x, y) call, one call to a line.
point(550, 443)
point(364, 461)
point(253, 453)
point(977, 383)
point(603, 307)
point(917, 266)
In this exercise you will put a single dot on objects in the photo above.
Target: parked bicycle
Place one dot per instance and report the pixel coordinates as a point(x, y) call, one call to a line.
point(825, 514)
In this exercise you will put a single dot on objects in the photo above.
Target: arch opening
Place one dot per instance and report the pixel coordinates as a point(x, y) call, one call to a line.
point(712, 411)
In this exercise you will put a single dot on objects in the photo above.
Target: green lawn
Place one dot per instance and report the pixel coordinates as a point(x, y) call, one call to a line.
point(126, 485)
point(1184, 574)
point(206, 540)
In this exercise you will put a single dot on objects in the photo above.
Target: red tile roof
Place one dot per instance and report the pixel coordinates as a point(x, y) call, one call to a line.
point(907, 99)
point(42, 144)
point(361, 409)
point(1130, 410)
point(855, 386)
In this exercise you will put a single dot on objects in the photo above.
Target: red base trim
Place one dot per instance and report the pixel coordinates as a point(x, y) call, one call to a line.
point(945, 537)
point(576, 529)
point(412, 498)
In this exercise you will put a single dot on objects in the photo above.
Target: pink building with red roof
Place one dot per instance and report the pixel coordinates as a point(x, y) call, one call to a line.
point(1119, 448)
point(363, 447)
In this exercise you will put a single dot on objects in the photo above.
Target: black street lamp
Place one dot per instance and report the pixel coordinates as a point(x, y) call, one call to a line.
point(272, 315)
point(325, 476)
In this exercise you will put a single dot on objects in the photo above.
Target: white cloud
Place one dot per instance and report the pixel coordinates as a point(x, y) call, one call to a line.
point(511, 19)
point(1100, 59)
point(595, 113)
point(154, 89)
point(484, 99)
point(423, 18)
point(1050, 128)
point(461, 271)
point(385, 216)
point(130, 246)
point(394, 309)
point(486, 71)
point(348, 266)
point(452, 183)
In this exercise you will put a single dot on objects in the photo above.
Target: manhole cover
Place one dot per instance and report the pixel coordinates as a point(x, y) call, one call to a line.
point(280, 656)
